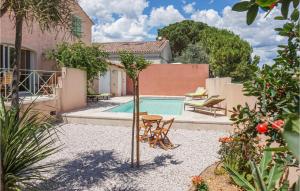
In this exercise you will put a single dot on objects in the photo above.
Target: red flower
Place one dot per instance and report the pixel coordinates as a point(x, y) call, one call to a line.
point(272, 5)
point(262, 127)
point(196, 180)
point(277, 124)
point(225, 139)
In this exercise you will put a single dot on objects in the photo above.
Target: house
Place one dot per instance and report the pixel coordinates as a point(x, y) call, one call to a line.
point(157, 52)
point(35, 42)
point(39, 76)
point(114, 80)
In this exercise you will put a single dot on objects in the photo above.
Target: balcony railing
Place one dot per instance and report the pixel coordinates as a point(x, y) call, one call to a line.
point(32, 82)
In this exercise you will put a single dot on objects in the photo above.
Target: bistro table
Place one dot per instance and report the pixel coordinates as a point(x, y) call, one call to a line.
point(148, 120)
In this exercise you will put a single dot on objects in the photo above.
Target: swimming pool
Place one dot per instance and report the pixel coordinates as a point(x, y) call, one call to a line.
point(162, 106)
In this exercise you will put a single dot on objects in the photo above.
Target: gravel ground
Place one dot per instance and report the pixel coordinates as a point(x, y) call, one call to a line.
point(97, 158)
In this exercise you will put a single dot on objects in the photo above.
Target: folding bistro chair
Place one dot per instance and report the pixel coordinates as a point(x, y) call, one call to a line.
point(143, 126)
point(160, 135)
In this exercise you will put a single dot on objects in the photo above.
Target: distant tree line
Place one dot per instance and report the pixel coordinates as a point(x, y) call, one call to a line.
point(227, 54)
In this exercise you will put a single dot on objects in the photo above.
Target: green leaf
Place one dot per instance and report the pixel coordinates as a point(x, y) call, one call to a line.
point(239, 179)
point(277, 149)
point(285, 186)
point(266, 159)
point(241, 6)
point(258, 179)
point(285, 8)
point(292, 136)
point(275, 173)
point(279, 18)
point(265, 3)
point(295, 15)
point(251, 14)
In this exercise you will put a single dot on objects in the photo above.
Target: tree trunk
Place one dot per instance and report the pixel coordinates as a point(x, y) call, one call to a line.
point(137, 123)
point(133, 126)
point(17, 63)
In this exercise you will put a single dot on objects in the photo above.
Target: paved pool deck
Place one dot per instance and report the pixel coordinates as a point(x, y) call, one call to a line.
point(97, 114)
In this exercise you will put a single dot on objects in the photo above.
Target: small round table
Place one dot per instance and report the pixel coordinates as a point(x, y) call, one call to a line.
point(152, 118)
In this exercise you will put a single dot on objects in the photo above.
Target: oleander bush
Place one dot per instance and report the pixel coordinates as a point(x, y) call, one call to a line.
point(265, 143)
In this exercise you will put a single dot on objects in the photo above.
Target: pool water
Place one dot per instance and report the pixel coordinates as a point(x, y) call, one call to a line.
point(160, 106)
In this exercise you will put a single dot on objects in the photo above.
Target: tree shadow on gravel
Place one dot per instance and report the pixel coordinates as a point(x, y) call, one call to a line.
point(101, 168)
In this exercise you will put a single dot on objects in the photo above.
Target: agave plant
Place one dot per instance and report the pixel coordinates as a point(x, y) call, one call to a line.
point(266, 175)
point(25, 141)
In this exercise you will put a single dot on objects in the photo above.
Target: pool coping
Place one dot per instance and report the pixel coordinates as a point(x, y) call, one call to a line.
point(100, 115)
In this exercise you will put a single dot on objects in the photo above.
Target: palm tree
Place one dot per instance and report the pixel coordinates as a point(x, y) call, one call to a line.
point(50, 15)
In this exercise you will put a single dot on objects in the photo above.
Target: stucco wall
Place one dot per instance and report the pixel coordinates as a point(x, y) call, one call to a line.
point(38, 42)
point(72, 91)
point(232, 92)
point(171, 79)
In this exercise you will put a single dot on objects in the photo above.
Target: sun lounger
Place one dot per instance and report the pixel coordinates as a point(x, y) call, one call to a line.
point(211, 103)
point(199, 93)
point(97, 97)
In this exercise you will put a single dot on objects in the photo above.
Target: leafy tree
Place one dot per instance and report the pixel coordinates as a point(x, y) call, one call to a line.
point(181, 34)
point(133, 65)
point(78, 55)
point(50, 15)
point(228, 54)
point(23, 144)
point(193, 53)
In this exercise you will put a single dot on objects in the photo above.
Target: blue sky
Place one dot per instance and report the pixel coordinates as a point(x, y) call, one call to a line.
point(138, 20)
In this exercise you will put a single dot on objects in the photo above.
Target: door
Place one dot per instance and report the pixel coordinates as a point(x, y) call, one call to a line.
point(119, 83)
point(104, 85)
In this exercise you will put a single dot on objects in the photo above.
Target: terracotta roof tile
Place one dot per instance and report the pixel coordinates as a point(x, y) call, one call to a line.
point(134, 47)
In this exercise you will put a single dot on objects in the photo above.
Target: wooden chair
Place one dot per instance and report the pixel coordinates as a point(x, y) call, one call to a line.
point(143, 125)
point(160, 135)
point(6, 82)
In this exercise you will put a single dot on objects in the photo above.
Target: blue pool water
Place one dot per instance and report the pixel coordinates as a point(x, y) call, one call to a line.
point(153, 106)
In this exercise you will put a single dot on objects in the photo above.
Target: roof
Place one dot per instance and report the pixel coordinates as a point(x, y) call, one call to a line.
point(81, 9)
point(134, 47)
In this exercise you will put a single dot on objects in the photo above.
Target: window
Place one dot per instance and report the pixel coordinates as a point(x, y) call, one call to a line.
point(7, 56)
point(76, 26)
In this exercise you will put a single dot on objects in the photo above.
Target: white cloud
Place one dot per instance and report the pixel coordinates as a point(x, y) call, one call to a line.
point(164, 15)
point(189, 8)
point(123, 29)
point(117, 20)
point(260, 34)
point(103, 10)
point(125, 20)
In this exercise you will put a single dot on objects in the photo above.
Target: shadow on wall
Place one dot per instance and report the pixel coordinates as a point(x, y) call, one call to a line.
point(101, 168)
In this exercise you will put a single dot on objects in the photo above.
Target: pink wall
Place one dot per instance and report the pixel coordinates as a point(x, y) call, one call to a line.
point(171, 79)
point(38, 42)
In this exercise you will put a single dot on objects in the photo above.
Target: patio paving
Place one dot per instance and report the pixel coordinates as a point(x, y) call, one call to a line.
point(99, 111)
point(97, 158)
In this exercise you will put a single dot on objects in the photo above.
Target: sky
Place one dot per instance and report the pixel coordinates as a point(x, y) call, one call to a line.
point(138, 20)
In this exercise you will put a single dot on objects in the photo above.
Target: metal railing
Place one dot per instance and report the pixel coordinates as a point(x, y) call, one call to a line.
point(32, 82)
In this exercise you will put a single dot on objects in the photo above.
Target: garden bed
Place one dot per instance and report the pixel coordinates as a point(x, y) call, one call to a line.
point(218, 182)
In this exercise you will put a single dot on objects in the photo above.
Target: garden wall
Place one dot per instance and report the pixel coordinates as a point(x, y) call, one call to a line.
point(171, 79)
point(72, 89)
point(232, 92)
